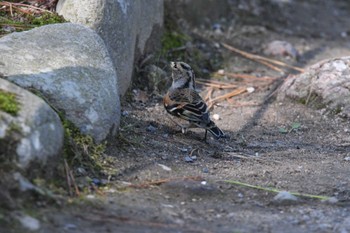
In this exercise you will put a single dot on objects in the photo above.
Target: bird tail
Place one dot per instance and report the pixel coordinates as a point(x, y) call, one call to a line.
point(213, 129)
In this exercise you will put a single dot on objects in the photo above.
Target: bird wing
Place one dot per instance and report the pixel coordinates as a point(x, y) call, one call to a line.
point(187, 104)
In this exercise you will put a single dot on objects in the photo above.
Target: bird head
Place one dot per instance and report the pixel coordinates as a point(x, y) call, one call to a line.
point(182, 75)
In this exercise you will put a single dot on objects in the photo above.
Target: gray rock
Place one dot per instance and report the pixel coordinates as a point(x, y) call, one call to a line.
point(35, 134)
point(28, 222)
point(284, 197)
point(324, 85)
point(70, 65)
point(127, 27)
point(281, 48)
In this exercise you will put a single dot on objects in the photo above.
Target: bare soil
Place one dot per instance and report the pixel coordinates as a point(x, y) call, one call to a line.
point(192, 196)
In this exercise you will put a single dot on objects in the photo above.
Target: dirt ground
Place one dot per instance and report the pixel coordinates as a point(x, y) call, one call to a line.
point(191, 196)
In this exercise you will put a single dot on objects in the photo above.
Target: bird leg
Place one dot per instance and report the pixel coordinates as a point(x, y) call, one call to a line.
point(205, 136)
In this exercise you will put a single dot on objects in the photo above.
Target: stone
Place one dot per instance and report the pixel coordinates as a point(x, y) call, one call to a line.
point(35, 134)
point(323, 85)
point(28, 222)
point(129, 28)
point(281, 48)
point(71, 68)
point(285, 197)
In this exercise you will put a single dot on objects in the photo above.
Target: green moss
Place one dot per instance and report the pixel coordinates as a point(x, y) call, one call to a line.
point(46, 18)
point(81, 151)
point(9, 103)
point(172, 40)
point(24, 21)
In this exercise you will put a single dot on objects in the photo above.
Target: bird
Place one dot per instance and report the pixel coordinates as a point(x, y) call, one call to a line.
point(183, 101)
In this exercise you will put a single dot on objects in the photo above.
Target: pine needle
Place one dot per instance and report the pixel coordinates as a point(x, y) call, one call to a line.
point(273, 190)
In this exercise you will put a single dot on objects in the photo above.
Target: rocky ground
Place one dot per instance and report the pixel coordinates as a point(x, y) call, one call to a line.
point(171, 182)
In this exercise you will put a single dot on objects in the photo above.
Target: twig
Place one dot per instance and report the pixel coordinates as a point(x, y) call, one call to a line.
point(238, 105)
point(270, 66)
point(247, 76)
point(220, 86)
point(259, 58)
point(10, 4)
point(192, 151)
point(162, 181)
point(229, 95)
point(208, 95)
point(275, 190)
point(77, 193)
point(68, 178)
point(253, 158)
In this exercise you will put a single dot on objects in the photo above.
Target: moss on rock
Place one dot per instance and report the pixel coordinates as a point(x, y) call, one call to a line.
point(9, 103)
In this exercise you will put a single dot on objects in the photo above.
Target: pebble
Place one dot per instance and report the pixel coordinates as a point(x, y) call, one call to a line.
point(81, 171)
point(24, 183)
point(29, 222)
point(125, 113)
point(285, 197)
point(166, 168)
point(216, 116)
point(184, 150)
point(221, 72)
point(70, 226)
point(96, 181)
point(188, 159)
point(151, 129)
point(205, 170)
point(331, 200)
point(281, 48)
point(250, 89)
point(347, 158)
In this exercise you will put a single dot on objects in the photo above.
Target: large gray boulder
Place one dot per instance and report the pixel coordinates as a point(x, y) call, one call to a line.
point(71, 67)
point(323, 85)
point(34, 134)
point(130, 28)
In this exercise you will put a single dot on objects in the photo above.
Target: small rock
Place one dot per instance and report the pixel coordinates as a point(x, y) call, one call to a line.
point(151, 129)
point(81, 171)
point(194, 157)
point(285, 197)
point(70, 226)
point(221, 72)
point(331, 200)
point(344, 34)
point(217, 28)
point(204, 182)
point(216, 116)
point(96, 181)
point(347, 158)
point(281, 48)
point(90, 196)
point(29, 222)
point(166, 168)
point(23, 183)
point(104, 182)
point(250, 89)
point(184, 150)
point(188, 159)
point(125, 113)
point(205, 170)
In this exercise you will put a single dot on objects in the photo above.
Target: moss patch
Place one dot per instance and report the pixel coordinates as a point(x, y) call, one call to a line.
point(81, 151)
point(9, 103)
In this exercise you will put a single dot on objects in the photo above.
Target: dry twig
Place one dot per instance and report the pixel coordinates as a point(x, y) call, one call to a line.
point(162, 181)
point(262, 59)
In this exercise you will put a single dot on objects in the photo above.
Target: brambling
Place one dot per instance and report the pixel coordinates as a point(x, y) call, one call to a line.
point(183, 101)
